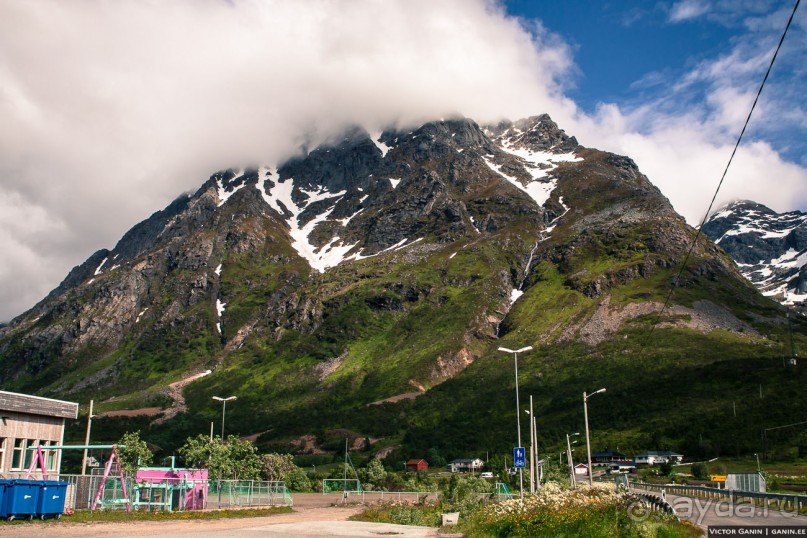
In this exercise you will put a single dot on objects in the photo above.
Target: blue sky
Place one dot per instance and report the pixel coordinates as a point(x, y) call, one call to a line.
point(637, 52)
point(112, 109)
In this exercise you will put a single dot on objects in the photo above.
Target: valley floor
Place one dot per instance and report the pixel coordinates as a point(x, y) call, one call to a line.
point(309, 518)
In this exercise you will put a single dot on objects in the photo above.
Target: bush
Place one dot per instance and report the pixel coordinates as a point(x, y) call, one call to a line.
point(700, 471)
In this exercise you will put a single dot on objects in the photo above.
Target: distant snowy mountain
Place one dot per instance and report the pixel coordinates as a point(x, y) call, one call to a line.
point(770, 248)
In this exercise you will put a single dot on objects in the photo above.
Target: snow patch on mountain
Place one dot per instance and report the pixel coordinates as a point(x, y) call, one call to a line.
point(540, 191)
point(379, 144)
point(98, 269)
point(219, 311)
point(279, 198)
point(225, 194)
point(770, 248)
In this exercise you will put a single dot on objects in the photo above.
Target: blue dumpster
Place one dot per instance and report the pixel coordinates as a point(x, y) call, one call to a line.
point(21, 498)
point(50, 502)
point(3, 487)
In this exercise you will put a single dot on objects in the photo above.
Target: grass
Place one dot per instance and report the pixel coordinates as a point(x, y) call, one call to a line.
point(553, 512)
point(98, 516)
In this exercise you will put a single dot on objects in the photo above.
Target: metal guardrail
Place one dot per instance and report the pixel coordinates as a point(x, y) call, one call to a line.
point(384, 496)
point(784, 501)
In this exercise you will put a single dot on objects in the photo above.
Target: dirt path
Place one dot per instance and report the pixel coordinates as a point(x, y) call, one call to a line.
point(225, 527)
point(178, 405)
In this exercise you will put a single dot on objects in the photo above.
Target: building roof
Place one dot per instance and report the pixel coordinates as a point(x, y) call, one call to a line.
point(663, 453)
point(415, 462)
point(608, 454)
point(36, 405)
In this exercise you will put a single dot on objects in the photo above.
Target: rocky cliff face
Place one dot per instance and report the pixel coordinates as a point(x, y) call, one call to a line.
point(368, 266)
point(770, 248)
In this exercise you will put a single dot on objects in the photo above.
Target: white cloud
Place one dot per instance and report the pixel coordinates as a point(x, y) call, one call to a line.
point(111, 109)
point(687, 10)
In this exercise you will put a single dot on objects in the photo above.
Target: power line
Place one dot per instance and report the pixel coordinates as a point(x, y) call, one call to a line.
point(723, 177)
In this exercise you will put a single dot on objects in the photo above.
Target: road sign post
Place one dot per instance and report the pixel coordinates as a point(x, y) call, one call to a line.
point(519, 457)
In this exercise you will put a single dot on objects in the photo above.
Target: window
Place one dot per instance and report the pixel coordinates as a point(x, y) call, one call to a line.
point(2, 454)
point(30, 455)
point(17, 455)
point(50, 455)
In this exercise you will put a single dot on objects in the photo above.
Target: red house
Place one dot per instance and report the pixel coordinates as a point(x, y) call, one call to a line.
point(417, 465)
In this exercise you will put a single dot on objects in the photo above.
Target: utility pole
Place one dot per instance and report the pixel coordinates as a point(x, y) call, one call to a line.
point(588, 440)
point(572, 478)
point(87, 441)
point(518, 413)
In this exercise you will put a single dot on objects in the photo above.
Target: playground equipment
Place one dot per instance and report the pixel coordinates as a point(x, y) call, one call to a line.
point(503, 492)
point(170, 488)
point(99, 499)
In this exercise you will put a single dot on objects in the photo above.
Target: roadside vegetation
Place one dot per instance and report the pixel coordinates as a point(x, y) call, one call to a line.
point(555, 510)
point(98, 516)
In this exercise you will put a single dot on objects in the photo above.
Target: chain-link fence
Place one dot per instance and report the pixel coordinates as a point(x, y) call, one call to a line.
point(153, 495)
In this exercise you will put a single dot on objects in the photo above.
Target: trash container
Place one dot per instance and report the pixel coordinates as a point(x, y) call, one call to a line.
point(3, 487)
point(21, 498)
point(50, 502)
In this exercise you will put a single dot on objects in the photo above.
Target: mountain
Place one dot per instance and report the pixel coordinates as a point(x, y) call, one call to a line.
point(363, 288)
point(770, 248)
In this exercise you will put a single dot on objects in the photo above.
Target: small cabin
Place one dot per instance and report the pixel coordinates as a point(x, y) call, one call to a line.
point(417, 465)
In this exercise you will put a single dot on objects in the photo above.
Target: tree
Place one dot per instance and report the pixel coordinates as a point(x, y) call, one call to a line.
point(434, 458)
point(374, 474)
point(231, 460)
point(133, 453)
point(297, 480)
point(700, 471)
point(277, 466)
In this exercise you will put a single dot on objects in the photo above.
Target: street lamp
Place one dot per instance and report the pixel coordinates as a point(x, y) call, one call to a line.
point(223, 408)
point(588, 440)
point(569, 457)
point(90, 416)
point(518, 414)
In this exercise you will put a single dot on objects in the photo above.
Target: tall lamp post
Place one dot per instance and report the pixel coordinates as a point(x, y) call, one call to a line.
point(223, 409)
point(535, 476)
point(518, 413)
point(588, 440)
point(90, 416)
point(571, 460)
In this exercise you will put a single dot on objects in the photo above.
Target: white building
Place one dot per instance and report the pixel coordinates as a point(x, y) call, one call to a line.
point(653, 457)
point(26, 422)
point(465, 465)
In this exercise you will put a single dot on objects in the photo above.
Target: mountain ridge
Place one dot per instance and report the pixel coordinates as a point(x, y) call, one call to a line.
point(770, 248)
point(351, 274)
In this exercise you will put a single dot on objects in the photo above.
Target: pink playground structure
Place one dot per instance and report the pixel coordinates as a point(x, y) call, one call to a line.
point(171, 488)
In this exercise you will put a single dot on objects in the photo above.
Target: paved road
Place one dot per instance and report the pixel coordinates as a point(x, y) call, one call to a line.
point(305, 521)
point(712, 512)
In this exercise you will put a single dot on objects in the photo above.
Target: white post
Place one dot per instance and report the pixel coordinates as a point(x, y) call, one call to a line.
point(588, 442)
point(532, 450)
point(87, 441)
point(540, 467)
point(518, 413)
point(571, 465)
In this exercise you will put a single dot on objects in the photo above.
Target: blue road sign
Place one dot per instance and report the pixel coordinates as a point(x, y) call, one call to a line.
point(519, 457)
